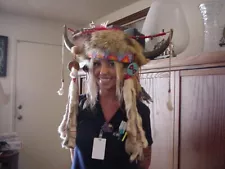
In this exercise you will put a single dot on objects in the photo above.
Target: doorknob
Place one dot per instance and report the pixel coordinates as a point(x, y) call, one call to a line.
point(19, 117)
point(20, 107)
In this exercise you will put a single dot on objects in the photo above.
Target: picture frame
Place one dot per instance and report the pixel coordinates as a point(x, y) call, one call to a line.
point(3, 55)
point(132, 18)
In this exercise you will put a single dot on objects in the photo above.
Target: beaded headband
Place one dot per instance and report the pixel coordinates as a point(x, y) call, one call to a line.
point(120, 57)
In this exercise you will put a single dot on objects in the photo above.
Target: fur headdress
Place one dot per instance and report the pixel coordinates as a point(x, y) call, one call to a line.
point(125, 47)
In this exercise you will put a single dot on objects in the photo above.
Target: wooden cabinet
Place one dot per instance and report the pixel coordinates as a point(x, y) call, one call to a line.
point(202, 119)
point(192, 135)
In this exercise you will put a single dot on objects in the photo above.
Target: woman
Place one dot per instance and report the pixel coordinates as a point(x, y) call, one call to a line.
point(111, 127)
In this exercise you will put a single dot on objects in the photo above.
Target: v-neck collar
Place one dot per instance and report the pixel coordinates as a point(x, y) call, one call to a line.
point(120, 112)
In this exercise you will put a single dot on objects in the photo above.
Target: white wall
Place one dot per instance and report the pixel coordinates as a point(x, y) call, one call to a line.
point(192, 14)
point(28, 29)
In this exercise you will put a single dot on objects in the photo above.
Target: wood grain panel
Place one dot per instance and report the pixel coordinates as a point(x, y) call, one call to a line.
point(202, 132)
point(162, 120)
point(204, 72)
point(155, 75)
point(176, 119)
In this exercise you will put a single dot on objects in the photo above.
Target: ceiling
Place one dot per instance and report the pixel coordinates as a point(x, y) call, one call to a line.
point(78, 12)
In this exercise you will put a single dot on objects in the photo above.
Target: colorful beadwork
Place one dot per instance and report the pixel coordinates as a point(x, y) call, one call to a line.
point(124, 58)
point(132, 69)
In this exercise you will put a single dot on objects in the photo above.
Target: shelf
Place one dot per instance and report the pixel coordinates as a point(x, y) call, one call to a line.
point(211, 59)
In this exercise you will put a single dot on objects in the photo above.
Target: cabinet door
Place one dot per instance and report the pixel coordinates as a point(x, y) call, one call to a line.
point(162, 120)
point(202, 119)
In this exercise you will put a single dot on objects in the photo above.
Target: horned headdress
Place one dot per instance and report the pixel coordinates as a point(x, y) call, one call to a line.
point(126, 48)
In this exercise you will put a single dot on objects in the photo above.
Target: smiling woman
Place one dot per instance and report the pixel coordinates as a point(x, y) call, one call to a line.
point(109, 126)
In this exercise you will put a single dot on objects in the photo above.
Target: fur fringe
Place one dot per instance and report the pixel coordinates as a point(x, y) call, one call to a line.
point(136, 139)
point(67, 128)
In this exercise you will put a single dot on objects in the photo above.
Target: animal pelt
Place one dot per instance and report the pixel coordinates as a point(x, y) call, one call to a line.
point(115, 42)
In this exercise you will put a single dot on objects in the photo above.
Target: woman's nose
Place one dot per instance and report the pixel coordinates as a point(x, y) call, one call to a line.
point(104, 69)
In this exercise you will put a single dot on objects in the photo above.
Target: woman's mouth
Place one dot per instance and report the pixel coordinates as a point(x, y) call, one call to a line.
point(104, 80)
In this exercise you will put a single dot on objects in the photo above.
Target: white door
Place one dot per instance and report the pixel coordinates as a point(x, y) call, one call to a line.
point(37, 81)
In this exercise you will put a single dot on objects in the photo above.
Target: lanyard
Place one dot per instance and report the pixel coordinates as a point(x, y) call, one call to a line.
point(106, 128)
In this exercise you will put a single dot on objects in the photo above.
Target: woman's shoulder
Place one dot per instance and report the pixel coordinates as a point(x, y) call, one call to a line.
point(143, 109)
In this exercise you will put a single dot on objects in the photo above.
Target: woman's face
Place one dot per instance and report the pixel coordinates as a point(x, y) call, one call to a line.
point(105, 74)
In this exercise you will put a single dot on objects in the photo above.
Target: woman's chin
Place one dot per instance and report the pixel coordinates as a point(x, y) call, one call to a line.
point(107, 87)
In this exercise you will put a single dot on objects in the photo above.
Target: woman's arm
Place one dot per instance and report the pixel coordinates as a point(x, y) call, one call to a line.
point(147, 158)
point(144, 111)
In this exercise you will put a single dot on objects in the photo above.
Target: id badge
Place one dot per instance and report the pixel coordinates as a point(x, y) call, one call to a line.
point(98, 150)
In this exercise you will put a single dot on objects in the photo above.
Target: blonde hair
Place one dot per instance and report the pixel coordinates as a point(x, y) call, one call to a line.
point(91, 88)
point(119, 80)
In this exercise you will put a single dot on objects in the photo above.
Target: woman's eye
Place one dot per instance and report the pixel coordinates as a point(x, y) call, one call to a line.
point(96, 64)
point(111, 63)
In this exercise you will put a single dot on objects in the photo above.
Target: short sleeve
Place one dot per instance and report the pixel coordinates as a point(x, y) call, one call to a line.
point(144, 112)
